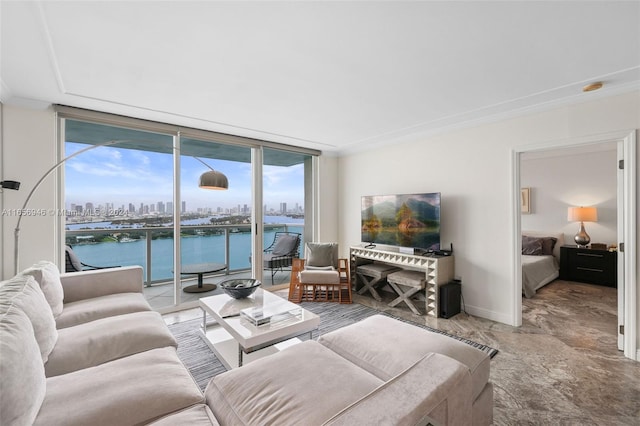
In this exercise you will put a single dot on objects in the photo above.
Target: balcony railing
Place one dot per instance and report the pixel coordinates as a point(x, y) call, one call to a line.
point(152, 247)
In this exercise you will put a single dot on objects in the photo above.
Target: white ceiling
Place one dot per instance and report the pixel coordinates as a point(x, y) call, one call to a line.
point(335, 76)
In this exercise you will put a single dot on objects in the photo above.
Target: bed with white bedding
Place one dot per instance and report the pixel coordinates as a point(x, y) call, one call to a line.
point(538, 271)
point(540, 260)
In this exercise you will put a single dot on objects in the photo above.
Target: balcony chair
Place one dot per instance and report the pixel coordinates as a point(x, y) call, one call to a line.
point(73, 263)
point(280, 254)
point(321, 276)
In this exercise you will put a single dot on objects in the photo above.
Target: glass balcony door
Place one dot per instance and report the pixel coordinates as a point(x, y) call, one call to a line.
point(215, 225)
point(135, 187)
point(283, 210)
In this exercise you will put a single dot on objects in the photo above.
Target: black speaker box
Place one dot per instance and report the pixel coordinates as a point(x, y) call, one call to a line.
point(450, 295)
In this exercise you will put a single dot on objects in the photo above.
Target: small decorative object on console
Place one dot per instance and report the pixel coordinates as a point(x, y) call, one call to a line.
point(240, 288)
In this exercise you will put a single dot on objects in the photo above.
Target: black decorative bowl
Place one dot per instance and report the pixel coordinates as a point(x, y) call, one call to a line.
point(240, 288)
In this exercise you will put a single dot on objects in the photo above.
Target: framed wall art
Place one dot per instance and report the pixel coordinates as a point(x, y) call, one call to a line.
point(525, 200)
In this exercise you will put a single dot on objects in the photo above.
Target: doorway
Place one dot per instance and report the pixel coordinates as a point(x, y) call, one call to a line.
point(621, 212)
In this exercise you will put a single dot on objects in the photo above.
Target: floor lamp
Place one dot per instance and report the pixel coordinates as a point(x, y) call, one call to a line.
point(211, 179)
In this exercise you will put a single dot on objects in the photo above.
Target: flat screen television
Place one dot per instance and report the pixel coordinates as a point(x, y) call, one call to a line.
point(406, 220)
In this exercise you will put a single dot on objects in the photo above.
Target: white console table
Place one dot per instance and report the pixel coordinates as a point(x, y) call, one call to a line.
point(438, 269)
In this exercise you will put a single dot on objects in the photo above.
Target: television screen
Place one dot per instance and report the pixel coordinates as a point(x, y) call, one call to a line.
point(407, 220)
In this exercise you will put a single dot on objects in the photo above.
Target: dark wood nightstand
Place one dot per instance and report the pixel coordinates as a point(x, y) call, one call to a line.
point(589, 266)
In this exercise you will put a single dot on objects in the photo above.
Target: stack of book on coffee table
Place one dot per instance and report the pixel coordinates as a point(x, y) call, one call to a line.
point(270, 314)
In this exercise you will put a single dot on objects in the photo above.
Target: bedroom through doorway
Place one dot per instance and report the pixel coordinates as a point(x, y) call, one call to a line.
point(560, 176)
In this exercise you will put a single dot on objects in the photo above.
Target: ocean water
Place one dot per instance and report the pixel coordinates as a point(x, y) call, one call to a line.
point(195, 249)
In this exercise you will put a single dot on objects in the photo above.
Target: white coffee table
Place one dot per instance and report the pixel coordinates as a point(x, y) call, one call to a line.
point(235, 340)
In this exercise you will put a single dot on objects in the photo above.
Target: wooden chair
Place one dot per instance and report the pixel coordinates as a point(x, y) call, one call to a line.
point(316, 282)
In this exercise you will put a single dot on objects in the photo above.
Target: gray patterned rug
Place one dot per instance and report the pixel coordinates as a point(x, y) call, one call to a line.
point(204, 365)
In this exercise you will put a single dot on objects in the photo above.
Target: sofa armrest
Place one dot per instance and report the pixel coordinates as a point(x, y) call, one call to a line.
point(434, 389)
point(101, 282)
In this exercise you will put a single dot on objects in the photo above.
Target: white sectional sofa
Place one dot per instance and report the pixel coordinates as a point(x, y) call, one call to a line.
point(86, 349)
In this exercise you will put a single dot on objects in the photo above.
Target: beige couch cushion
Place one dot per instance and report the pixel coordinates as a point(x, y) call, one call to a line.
point(86, 310)
point(319, 277)
point(47, 275)
point(96, 342)
point(405, 344)
point(136, 389)
point(198, 415)
point(435, 385)
point(24, 292)
point(277, 390)
point(101, 282)
point(22, 381)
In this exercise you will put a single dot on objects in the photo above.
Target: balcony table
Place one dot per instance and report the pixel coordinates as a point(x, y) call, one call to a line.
point(200, 269)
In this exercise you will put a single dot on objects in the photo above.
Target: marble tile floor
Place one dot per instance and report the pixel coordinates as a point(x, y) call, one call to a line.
point(561, 367)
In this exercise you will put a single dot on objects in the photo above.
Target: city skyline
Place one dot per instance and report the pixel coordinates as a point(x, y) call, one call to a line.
point(118, 176)
point(160, 207)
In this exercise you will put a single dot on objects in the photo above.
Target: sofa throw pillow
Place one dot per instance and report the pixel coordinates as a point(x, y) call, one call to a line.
point(21, 369)
point(285, 245)
point(48, 276)
point(321, 254)
point(24, 292)
point(531, 246)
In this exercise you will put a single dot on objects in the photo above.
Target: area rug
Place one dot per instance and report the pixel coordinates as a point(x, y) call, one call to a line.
point(204, 365)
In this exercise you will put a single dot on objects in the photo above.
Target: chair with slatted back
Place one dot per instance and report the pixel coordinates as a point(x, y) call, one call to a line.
point(321, 276)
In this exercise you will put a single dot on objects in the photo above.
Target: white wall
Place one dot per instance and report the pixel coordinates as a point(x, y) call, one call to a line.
point(569, 178)
point(327, 193)
point(29, 150)
point(473, 169)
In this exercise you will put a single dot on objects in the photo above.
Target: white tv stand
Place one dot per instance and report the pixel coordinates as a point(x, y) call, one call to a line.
point(438, 269)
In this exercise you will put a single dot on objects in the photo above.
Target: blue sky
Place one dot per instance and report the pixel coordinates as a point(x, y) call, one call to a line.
point(122, 176)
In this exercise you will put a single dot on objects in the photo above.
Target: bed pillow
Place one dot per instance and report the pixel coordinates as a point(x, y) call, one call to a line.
point(532, 246)
point(548, 243)
point(559, 236)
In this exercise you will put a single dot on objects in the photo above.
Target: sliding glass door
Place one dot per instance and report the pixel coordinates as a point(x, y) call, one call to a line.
point(131, 187)
point(283, 196)
point(215, 225)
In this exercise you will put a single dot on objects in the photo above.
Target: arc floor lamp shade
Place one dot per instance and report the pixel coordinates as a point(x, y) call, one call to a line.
point(582, 214)
point(213, 179)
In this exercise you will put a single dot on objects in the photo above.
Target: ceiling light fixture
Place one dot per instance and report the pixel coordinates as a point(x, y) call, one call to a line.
point(593, 86)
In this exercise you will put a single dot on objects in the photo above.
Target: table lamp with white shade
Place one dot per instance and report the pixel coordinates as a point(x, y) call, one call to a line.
point(582, 214)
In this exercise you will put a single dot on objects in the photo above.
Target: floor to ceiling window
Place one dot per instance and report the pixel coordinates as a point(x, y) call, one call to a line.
point(283, 195)
point(124, 191)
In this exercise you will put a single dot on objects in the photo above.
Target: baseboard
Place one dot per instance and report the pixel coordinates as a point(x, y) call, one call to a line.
point(276, 287)
point(487, 314)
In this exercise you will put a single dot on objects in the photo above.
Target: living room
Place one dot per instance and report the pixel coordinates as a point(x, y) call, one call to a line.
point(472, 162)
